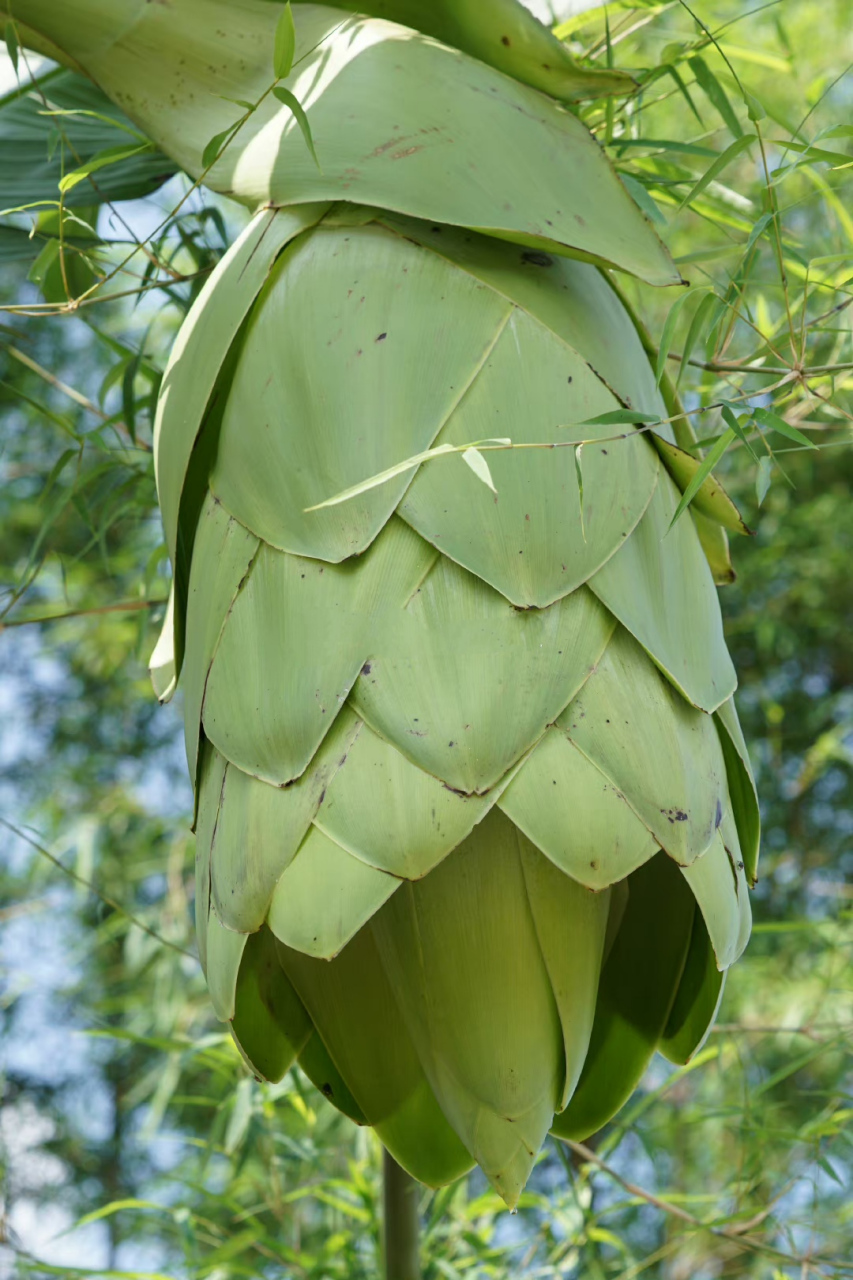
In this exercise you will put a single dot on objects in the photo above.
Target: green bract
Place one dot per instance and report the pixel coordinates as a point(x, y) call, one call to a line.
point(474, 809)
point(475, 818)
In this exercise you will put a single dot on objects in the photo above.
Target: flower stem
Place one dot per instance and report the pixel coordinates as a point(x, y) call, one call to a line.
point(400, 1203)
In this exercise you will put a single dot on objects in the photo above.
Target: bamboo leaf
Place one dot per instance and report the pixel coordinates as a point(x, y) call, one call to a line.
point(619, 418)
point(373, 482)
point(685, 92)
point(479, 466)
point(722, 161)
point(579, 474)
point(763, 476)
point(667, 334)
point(770, 419)
point(809, 152)
point(241, 1113)
point(708, 464)
point(112, 155)
point(285, 43)
point(239, 102)
point(101, 116)
point(715, 93)
point(700, 317)
point(711, 500)
point(215, 145)
point(757, 231)
point(641, 197)
point(729, 412)
point(289, 100)
point(128, 396)
point(664, 144)
point(10, 35)
point(828, 1169)
point(754, 109)
point(115, 1206)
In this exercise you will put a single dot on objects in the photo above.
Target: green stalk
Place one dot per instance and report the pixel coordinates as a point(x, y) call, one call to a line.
point(401, 1226)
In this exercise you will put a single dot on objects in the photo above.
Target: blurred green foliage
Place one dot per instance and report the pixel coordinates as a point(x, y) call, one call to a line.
point(132, 1140)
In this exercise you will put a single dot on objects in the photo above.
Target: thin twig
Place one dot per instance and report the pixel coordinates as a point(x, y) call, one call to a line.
point(125, 606)
point(87, 884)
point(735, 1233)
point(74, 394)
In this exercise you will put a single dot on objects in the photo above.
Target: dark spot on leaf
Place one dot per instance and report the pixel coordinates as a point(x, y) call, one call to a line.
point(505, 40)
point(366, 669)
point(537, 258)
point(326, 1089)
point(719, 815)
point(570, 377)
point(382, 337)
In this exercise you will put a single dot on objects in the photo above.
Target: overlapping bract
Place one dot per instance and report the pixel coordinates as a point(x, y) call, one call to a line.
point(474, 813)
point(475, 818)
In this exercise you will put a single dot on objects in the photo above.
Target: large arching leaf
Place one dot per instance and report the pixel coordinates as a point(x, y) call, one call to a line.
point(450, 112)
point(33, 159)
point(504, 34)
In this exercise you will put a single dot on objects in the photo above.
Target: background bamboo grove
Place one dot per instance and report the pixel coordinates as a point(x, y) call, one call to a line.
point(133, 1142)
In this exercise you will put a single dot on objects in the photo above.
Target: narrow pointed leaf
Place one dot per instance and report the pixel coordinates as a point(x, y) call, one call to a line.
point(479, 466)
point(710, 498)
point(668, 334)
point(284, 45)
point(715, 93)
point(702, 473)
point(291, 101)
point(700, 318)
point(620, 417)
point(722, 162)
point(770, 419)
